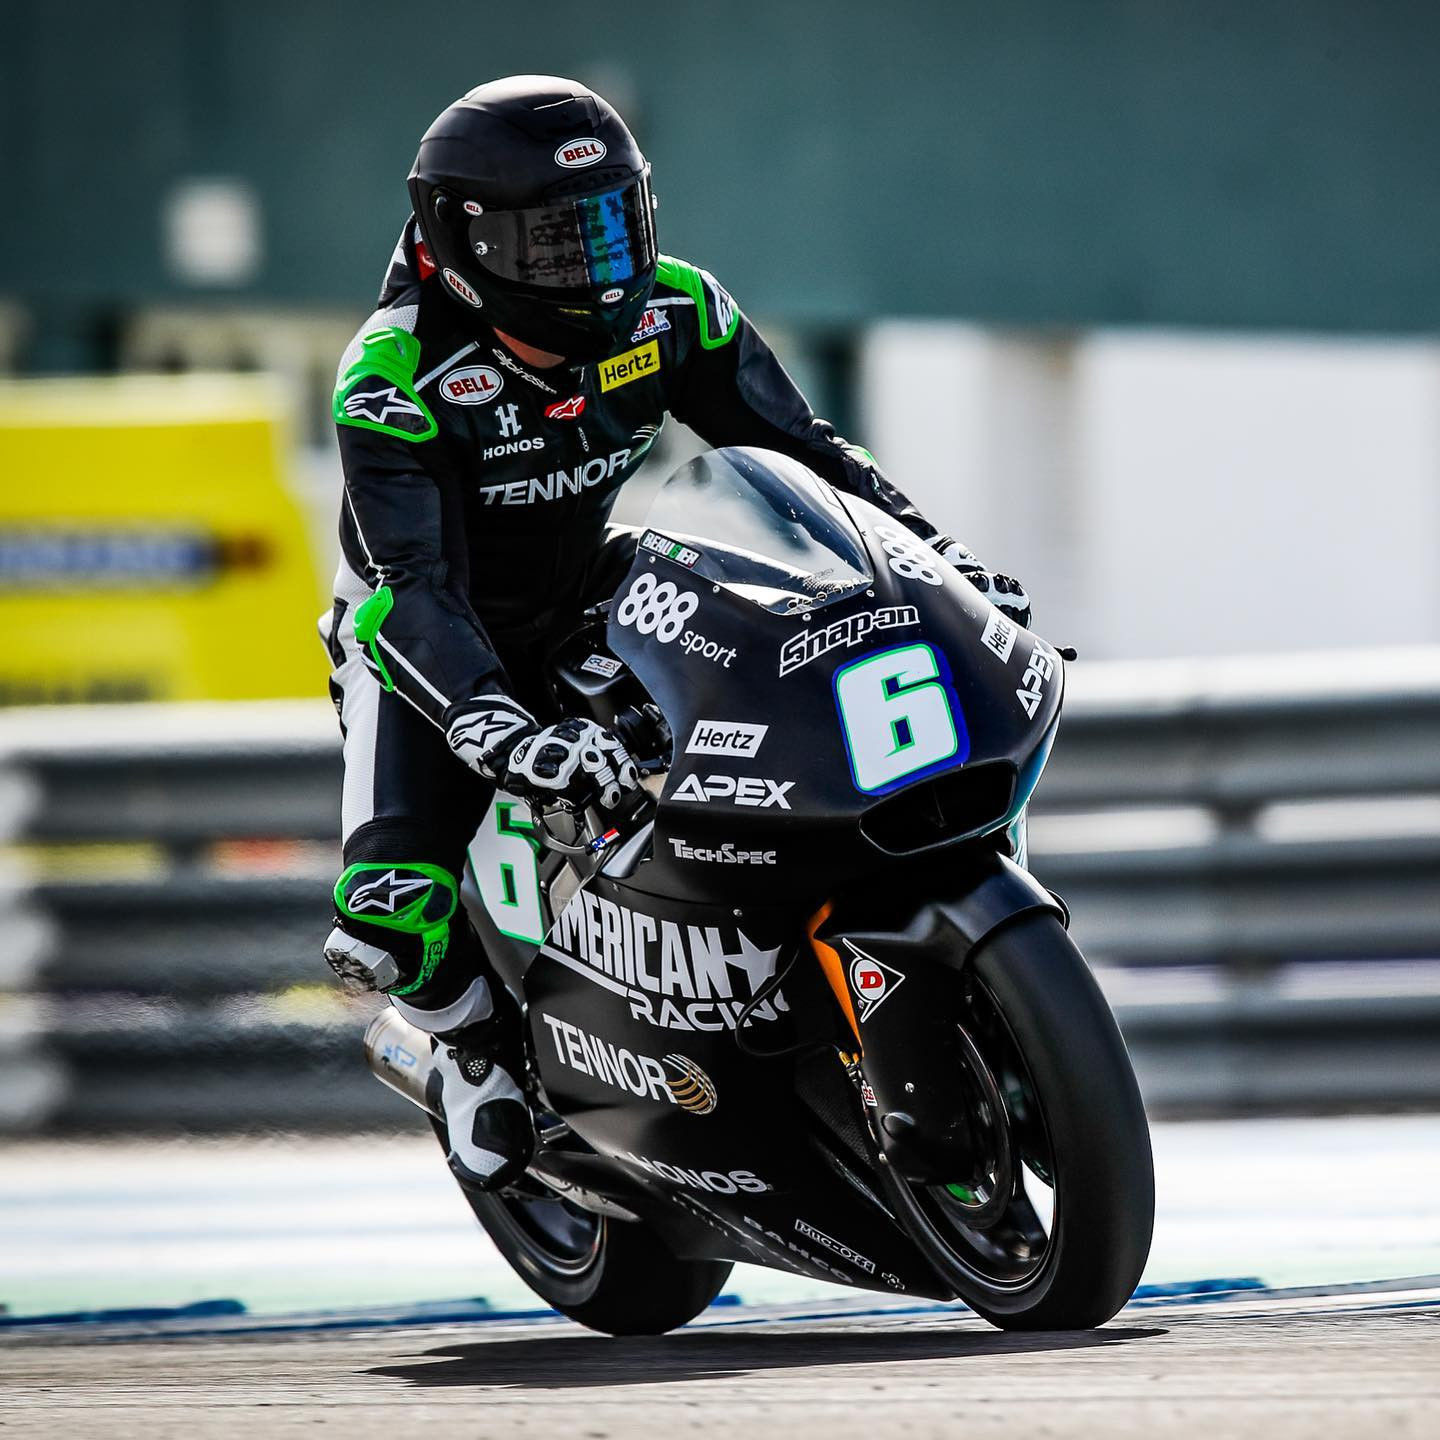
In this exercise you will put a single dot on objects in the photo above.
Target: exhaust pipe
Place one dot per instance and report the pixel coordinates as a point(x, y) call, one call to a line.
point(399, 1055)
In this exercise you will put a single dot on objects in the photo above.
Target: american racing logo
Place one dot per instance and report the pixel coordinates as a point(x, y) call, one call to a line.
point(557, 484)
point(809, 645)
point(679, 977)
point(739, 789)
point(725, 737)
point(670, 549)
point(652, 322)
point(472, 385)
point(725, 854)
point(715, 1182)
point(632, 365)
point(871, 982)
point(998, 636)
point(676, 1080)
point(843, 1251)
point(661, 608)
point(1037, 672)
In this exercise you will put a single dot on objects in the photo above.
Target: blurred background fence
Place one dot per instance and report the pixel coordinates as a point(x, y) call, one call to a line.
point(1250, 850)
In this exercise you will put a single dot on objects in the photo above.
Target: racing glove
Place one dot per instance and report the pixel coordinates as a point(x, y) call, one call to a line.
point(1003, 591)
point(574, 761)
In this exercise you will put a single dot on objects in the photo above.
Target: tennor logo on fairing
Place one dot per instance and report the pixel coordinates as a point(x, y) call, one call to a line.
point(675, 976)
point(675, 1080)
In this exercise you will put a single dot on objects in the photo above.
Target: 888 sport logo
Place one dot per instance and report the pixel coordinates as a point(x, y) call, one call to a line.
point(661, 608)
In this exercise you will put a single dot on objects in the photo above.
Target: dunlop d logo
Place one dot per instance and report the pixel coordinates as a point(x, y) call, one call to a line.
point(632, 365)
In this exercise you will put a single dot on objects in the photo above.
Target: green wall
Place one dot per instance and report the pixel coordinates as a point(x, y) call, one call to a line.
point(1175, 161)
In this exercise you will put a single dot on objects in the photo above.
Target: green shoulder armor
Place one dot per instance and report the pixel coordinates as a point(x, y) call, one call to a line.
point(377, 392)
point(717, 314)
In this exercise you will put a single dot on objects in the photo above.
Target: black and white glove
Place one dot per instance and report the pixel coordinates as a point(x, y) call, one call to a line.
point(575, 760)
point(1003, 591)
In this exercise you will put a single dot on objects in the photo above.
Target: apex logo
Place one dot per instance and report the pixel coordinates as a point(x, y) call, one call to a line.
point(740, 789)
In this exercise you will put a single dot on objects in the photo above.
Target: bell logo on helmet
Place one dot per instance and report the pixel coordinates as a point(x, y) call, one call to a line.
point(472, 385)
point(576, 154)
point(609, 297)
point(473, 207)
point(462, 288)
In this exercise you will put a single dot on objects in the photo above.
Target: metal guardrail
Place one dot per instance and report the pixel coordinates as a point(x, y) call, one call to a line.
point(1250, 849)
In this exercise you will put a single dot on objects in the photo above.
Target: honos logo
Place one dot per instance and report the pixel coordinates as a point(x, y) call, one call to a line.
point(715, 1182)
point(462, 288)
point(472, 385)
point(576, 154)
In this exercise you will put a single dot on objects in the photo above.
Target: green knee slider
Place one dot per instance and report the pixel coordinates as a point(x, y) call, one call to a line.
point(416, 899)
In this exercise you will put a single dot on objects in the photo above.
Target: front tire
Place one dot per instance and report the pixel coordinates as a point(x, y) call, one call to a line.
point(615, 1276)
point(1071, 1113)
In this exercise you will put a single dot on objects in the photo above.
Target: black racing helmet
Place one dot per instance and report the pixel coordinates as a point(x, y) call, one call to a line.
point(534, 202)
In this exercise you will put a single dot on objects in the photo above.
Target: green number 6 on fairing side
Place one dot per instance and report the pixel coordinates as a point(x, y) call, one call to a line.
point(898, 716)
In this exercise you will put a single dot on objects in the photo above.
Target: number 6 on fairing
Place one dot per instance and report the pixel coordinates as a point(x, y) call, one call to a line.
point(897, 716)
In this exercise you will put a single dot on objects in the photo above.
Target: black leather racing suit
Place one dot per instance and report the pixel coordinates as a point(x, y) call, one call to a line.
point(478, 491)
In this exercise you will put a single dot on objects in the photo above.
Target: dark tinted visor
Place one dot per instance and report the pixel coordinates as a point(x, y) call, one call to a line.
point(593, 243)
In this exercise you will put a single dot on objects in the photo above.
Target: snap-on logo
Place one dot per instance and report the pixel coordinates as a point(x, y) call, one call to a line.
point(473, 385)
point(574, 154)
point(462, 289)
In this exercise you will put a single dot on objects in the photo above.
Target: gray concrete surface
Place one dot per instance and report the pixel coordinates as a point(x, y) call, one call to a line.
point(1273, 1367)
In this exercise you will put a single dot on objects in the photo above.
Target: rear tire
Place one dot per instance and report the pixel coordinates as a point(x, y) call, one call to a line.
point(1092, 1138)
point(615, 1276)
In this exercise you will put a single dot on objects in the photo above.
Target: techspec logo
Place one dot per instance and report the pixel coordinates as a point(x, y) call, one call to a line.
point(844, 634)
point(674, 976)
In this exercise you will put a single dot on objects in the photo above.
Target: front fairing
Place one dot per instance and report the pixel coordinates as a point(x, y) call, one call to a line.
point(788, 740)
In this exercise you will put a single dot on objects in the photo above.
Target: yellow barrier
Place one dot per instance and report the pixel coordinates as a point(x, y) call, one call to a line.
point(150, 548)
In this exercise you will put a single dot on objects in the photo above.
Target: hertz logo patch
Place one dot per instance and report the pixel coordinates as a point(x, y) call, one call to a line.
point(632, 365)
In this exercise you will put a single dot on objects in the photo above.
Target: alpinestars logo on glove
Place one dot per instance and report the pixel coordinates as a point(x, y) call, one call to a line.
point(382, 894)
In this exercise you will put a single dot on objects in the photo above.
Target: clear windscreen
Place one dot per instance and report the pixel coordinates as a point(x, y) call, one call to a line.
point(763, 526)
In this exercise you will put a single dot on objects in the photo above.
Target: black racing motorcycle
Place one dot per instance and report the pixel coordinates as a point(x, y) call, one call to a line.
point(803, 1005)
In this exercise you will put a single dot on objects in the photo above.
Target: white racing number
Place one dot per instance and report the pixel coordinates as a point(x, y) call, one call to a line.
point(657, 607)
point(897, 717)
point(502, 856)
point(909, 556)
point(660, 608)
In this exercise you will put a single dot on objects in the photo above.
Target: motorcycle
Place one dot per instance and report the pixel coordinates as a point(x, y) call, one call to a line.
point(802, 1004)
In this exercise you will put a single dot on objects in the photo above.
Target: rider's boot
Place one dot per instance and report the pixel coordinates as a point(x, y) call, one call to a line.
point(475, 1087)
point(394, 933)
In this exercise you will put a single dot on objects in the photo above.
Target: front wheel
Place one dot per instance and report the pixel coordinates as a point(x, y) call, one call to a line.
point(1050, 1228)
point(615, 1276)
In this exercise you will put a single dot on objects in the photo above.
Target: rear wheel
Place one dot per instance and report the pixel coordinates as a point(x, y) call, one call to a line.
point(615, 1276)
point(1049, 1228)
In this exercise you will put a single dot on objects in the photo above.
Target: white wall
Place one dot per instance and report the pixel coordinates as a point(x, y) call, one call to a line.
point(1176, 494)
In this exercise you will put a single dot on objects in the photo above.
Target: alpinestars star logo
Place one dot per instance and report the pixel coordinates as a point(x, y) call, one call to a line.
point(486, 730)
point(382, 894)
point(378, 406)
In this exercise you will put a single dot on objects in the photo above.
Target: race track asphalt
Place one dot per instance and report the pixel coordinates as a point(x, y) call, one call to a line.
point(1276, 1365)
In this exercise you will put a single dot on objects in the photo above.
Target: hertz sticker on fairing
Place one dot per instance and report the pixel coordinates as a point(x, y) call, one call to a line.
point(632, 365)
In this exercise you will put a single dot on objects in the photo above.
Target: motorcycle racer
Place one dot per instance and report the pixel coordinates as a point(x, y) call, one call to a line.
point(528, 343)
